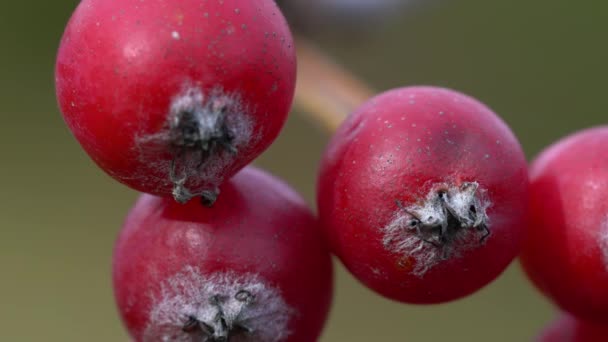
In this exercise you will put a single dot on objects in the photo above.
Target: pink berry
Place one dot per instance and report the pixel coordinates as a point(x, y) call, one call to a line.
point(568, 328)
point(173, 97)
point(566, 249)
point(422, 193)
point(253, 268)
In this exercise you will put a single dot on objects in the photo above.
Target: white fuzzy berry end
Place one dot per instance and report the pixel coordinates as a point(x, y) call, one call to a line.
point(449, 221)
point(204, 132)
point(193, 306)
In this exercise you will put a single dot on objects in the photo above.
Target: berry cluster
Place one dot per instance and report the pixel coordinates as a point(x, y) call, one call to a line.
point(423, 193)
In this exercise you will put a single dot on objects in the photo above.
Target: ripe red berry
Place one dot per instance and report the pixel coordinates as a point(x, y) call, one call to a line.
point(173, 97)
point(252, 268)
point(566, 249)
point(422, 193)
point(568, 328)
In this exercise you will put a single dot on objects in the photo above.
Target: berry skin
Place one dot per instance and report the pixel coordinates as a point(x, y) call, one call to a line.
point(173, 97)
point(252, 268)
point(422, 193)
point(568, 328)
point(565, 253)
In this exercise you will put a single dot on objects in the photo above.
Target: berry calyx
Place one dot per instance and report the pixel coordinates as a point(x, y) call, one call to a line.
point(218, 308)
point(201, 132)
point(450, 220)
point(223, 326)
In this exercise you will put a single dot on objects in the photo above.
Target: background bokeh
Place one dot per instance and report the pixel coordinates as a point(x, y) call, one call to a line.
point(540, 64)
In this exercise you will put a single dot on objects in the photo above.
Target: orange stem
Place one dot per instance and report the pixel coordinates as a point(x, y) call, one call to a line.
point(326, 91)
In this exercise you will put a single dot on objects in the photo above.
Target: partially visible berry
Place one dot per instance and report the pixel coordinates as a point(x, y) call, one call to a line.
point(253, 268)
point(173, 97)
point(567, 328)
point(566, 249)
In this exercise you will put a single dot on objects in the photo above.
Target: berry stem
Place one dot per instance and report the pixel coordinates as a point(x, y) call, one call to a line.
point(325, 91)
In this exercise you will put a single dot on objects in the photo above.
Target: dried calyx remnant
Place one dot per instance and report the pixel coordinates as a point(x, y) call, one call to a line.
point(451, 219)
point(199, 130)
point(219, 307)
point(446, 212)
point(222, 327)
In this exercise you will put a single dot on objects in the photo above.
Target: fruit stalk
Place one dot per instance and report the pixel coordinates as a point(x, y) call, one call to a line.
point(325, 91)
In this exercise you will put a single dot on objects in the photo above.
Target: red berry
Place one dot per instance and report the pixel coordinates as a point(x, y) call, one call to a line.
point(422, 193)
point(252, 268)
point(567, 328)
point(173, 97)
point(566, 249)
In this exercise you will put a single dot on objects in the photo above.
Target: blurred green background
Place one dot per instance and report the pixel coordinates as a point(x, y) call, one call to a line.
point(540, 64)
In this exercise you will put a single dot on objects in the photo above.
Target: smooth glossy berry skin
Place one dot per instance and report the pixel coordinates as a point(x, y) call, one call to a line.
point(566, 248)
point(567, 328)
point(173, 97)
point(422, 194)
point(174, 265)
